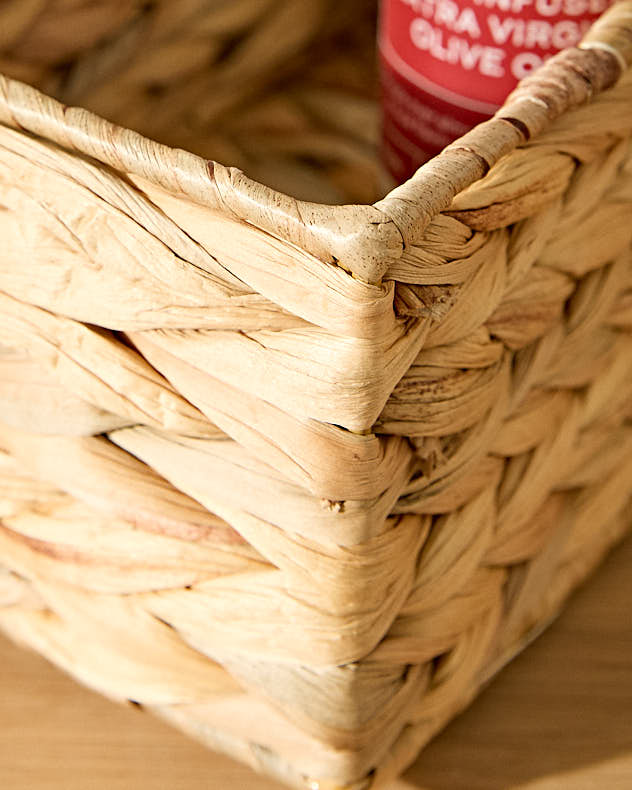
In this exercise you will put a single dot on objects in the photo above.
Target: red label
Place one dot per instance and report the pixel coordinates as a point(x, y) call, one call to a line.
point(448, 65)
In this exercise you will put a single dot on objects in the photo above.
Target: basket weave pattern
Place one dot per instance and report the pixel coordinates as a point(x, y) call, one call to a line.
point(299, 477)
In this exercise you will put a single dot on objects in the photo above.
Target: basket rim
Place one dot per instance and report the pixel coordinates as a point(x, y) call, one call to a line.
point(361, 239)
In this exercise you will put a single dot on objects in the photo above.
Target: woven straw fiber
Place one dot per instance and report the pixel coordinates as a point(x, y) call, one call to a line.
point(299, 477)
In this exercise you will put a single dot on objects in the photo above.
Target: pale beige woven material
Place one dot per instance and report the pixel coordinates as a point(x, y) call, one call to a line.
point(299, 477)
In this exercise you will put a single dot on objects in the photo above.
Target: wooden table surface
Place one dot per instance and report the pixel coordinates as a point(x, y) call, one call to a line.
point(558, 718)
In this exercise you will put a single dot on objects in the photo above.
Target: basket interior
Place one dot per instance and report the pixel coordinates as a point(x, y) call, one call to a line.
point(283, 90)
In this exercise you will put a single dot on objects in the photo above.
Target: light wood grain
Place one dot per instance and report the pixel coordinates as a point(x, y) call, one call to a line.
point(558, 718)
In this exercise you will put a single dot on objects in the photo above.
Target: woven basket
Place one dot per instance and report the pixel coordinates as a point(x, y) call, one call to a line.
point(300, 477)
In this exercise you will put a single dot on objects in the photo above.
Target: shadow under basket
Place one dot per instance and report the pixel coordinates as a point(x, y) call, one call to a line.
point(300, 477)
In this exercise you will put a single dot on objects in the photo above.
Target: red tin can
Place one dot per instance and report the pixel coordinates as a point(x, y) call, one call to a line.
point(447, 65)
